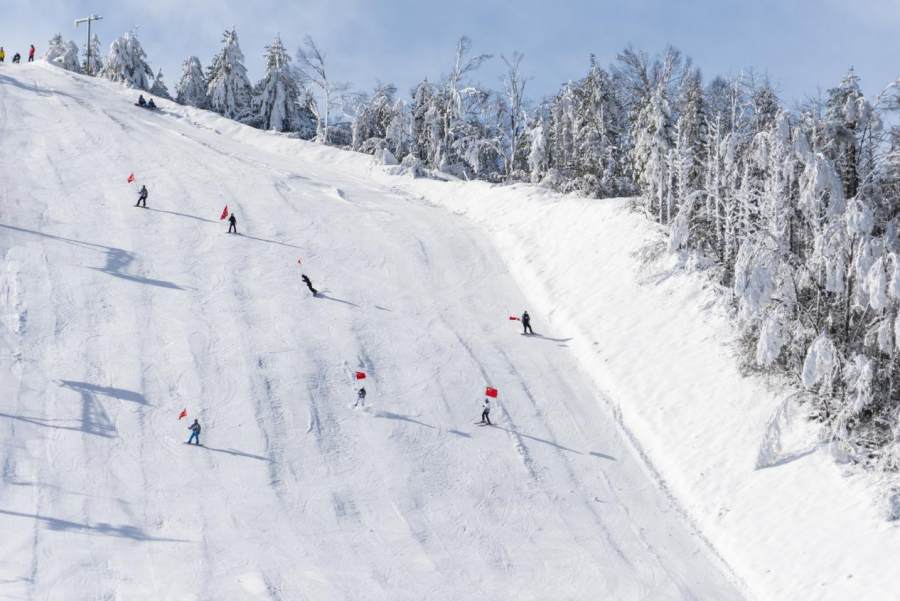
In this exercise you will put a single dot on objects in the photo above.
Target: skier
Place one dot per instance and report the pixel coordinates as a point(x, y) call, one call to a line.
point(2, 55)
point(195, 433)
point(232, 224)
point(309, 285)
point(16, 58)
point(526, 323)
point(360, 397)
point(142, 197)
point(486, 412)
point(141, 102)
point(151, 105)
point(31, 54)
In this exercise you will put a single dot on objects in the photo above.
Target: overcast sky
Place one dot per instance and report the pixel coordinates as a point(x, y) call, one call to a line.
point(802, 45)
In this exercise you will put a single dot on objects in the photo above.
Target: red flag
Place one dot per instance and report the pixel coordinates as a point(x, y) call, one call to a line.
point(360, 375)
point(224, 213)
point(183, 414)
point(131, 178)
point(491, 392)
point(513, 318)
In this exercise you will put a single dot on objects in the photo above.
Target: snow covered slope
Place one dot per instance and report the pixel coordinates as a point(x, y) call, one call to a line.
point(115, 318)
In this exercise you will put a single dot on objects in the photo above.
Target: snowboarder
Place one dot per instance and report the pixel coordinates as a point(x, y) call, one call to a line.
point(31, 54)
point(360, 397)
point(195, 433)
point(526, 323)
point(232, 224)
point(2, 55)
point(16, 58)
point(309, 285)
point(151, 105)
point(141, 102)
point(486, 412)
point(142, 197)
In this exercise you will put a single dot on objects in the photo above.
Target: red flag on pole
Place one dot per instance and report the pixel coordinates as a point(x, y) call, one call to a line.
point(183, 414)
point(224, 213)
point(513, 318)
point(360, 375)
point(491, 392)
point(131, 178)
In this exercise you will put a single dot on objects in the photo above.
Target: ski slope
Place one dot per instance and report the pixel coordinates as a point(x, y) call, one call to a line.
point(115, 318)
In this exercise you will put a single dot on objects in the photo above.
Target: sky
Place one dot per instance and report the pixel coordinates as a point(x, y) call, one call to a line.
point(803, 46)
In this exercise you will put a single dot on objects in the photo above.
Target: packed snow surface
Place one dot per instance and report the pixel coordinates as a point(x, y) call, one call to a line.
point(631, 459)
point(116, 318)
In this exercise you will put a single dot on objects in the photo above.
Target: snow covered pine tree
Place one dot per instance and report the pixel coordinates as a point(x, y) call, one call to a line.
point(228, 88)
point(276, 99)
point(126, 63)
point(191, 88)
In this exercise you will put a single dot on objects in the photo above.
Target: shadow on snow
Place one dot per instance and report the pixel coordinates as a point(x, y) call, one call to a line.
point(235, 452)
point(117, 259)
point(100, 528)
point(400, 417)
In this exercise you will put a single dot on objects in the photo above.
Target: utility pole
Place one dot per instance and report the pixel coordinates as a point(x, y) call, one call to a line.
point(88, 21)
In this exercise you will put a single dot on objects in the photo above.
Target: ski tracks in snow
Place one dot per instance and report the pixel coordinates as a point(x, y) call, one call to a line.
point(125, 316)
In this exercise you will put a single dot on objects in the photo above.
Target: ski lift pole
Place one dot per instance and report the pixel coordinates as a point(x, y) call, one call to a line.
point(88, 21)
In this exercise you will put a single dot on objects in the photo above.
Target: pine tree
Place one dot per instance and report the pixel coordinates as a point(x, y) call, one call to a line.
point(690, 138)
point(653, 141)
point(397, 135)
point(94, 64)
point(126, 63)
point(62, 54)
point(276, 100)
point(374, 118)
point(191, 88)
point(841, 132)
point(538, 158)
point(56, 49)
point(69, 60)
point(159, 86)
point(423, 123)
point(228, 88)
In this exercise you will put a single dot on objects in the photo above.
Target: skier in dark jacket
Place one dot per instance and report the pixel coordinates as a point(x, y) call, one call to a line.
point(308, 284)
point(142, 197)
point(141, 101)
point(360, 397)
point(31, 54)
point(486, 412)
point(232, 224)
point(526, 323)
point(151, 105)
point(17, 58)
point(195, 433)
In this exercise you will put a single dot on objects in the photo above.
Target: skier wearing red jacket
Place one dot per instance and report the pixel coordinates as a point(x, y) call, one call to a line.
point(31, 54)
